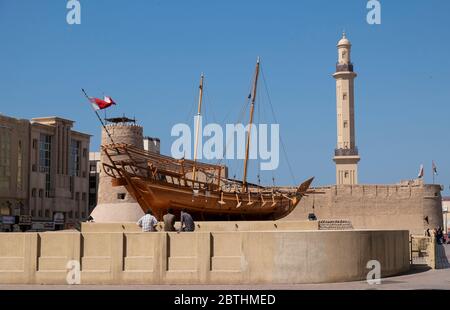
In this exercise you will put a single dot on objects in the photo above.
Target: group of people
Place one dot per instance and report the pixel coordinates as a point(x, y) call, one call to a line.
point(438, 233)
point(149, 223)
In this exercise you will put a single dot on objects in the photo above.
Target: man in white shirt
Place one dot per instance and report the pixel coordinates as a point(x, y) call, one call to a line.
point(148, 222)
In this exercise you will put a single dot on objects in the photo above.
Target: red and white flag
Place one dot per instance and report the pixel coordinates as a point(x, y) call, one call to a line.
point(100, 104)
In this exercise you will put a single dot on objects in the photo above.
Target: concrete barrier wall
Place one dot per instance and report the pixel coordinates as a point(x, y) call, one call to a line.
point(278, 257)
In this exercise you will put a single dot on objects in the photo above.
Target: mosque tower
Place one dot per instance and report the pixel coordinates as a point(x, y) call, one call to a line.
point(346, 154)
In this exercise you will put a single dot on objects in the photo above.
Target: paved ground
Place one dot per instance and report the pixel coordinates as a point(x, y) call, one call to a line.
point(418, 278)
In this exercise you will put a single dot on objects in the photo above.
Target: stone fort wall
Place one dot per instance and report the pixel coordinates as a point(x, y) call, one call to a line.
point(414, 207)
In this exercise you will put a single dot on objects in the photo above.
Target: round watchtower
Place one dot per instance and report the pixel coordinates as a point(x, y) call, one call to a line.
point(115, 204)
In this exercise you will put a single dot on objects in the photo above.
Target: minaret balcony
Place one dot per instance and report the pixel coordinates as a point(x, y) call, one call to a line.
point(344, 67)
point(346, 152)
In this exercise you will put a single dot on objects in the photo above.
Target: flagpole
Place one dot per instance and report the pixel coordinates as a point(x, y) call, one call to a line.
point(433, 169)
point(99, 118)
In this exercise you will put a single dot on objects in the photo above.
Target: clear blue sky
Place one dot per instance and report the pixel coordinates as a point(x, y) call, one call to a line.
point(148, 56)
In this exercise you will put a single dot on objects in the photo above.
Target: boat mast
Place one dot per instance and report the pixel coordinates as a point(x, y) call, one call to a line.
point(197, 129)
point(252, 109)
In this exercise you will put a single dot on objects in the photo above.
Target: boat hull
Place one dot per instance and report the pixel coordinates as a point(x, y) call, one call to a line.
point(208, 206)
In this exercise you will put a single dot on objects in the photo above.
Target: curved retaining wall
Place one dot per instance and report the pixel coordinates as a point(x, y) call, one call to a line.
point(264, 257)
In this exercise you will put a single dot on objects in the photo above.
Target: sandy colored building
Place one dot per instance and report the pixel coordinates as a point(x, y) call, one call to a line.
point(14, 166)
point(43, 172)
point(94, 174)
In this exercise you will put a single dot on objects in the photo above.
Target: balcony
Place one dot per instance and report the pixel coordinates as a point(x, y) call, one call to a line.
point(346, 152)
point(344, 67)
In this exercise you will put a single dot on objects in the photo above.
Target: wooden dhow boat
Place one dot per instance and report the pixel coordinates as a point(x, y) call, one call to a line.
point(159, 182)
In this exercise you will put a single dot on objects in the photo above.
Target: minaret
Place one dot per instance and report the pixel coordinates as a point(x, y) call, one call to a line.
point(346, 154)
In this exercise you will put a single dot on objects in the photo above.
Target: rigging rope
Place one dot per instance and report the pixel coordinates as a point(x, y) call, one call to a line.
point(275, 118)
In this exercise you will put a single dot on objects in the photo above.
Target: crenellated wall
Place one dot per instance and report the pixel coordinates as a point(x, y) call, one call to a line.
point(414, 207)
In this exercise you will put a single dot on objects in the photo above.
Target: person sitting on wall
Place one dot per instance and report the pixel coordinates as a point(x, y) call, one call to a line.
point(148, 222)
point(439, 235)
point(187, 223)
point(169, 221)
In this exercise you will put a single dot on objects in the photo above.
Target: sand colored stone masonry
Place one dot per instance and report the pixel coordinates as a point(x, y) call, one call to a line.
point(404, 207)
point(260, 257)
point(115, 204)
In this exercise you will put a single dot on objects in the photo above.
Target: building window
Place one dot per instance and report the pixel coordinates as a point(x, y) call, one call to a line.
point(344, 96)
point(71, 185)
point(33, 167)
point(33, 192)
point(48, 192)
point(85, 153)
point(47, 213)
point(35, 143)
point(83, 196)
point(41, 193)
point(346, 174)
point(45, 155)
point(70, 214)
point(121, 196)
point(345, 124)
point(40, 213)
point(93, 167)
point(19, 166)
point(75, 158)
point(77, 196)
point(33, 213)
point(93, 182)
point(5, 169)
point(76, 214)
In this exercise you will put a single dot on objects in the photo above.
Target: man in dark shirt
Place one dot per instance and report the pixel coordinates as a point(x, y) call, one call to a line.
point(169, 221)
point(187, 223)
